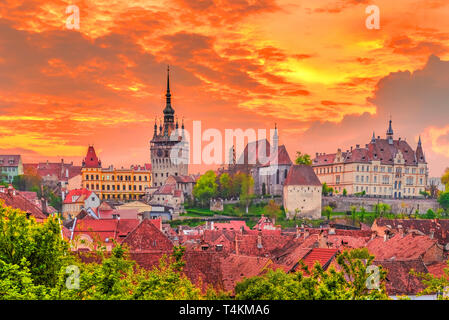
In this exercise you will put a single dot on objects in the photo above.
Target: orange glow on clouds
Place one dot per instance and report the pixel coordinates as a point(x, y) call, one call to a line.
point(299, 64)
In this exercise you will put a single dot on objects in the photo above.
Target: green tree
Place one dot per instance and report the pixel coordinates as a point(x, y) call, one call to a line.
point(317, 284)
point(225, 185)
point(27, 182)
point(206, 187)
point(247, 191)
point(327, 210)
point(362, 214)
point(345, 192)
point(381, 209)
point(445, 179)
point(353, 214)
point(272, 210)
point(443, 200)
point(303, 158)
point(39, 246)
point(434, 284)
point(430, 214)
point(327, 190)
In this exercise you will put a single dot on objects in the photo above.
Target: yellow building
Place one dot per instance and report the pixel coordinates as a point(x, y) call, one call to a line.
point(111, 183)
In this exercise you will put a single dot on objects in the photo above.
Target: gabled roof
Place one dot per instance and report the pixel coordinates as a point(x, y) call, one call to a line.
point(91, 160)
point(399, 281)
point(303, 175)
point(440, 227)
point(12, 198)
point(103, 229)
point(398, 247)
point(322, 255)
point(147, 237)
point(10, 160)
point(235, 268)
point(376, 150)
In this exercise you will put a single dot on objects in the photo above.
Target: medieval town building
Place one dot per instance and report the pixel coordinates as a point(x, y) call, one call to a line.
point(385, 168)
point(169, 148)
point(113, 183)
point(268, 164)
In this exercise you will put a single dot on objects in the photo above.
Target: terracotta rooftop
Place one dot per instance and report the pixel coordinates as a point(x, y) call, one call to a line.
point(399, 281)
point(12, 198)
point(322, 255)
point(408, 247)
point(9, 160)
point(379, 150)
point(301, 175)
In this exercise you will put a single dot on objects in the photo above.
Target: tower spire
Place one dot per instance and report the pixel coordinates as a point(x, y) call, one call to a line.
point(390, 133)
point(419, 141)
point(373, 139)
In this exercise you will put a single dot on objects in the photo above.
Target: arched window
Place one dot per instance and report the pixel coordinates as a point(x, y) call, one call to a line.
point(277, 176)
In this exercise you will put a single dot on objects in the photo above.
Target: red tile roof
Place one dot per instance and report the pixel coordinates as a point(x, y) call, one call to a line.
point(379, 149)
point(12, 198)
point(322, 255)
point(399, 281)
point(9, 160)
point(235, 268)
point(79, 194)
point(105, 229)
point(437, 269)
point(62, 171)
point(302, 175)
point(91, 160)
point(408, 247)
point(439, 227)
point(148, 237)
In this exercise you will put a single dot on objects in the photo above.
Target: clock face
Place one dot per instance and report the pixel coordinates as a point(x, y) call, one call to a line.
point(159, 152)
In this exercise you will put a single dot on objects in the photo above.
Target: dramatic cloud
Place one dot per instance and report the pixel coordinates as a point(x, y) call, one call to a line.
point(311, 67)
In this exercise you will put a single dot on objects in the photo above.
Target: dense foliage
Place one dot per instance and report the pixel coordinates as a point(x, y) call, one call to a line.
point(348, 284)
point(303, 159)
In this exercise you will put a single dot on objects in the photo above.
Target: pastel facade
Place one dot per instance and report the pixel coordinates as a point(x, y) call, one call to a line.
point(383, 168)
point(114, 184)
point(10, 166)
point(79, 199)
point(302, 193)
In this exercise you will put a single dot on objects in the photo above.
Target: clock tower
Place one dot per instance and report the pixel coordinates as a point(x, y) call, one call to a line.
point(169, 148)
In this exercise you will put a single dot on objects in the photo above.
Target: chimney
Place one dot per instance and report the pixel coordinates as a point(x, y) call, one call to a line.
point(317, 154)
point(44, 205)
point(401, 231)
point(306, 233)
point(322, 239)
point(351, 148)
point(259, 241)
point(432, 233)
point(357, 146)
point(373, 234)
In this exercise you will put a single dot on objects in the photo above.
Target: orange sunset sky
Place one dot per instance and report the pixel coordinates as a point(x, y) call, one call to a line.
point(312, 67)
